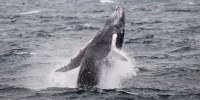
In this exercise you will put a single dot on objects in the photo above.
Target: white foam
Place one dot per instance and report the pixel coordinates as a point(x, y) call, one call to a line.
point(119, 71)
point(66, 79)
point(106, 1)
point(30, 12)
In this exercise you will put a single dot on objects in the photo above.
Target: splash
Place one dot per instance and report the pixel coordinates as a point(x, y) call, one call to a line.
point(68, 79)
point(118, 71)
point(111, 76)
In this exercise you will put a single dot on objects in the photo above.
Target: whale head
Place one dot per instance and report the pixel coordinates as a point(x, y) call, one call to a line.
point(117, 20)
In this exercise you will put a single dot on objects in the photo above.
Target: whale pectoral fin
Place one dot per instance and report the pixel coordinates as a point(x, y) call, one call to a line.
point(74, 62)
point(63, 69)
point(116, 54)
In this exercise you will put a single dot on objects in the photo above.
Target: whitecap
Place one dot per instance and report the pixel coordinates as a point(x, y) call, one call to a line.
point(24, 53)
point(106, 1)
point(30, 12)
point(3, 34)
point(191, 3)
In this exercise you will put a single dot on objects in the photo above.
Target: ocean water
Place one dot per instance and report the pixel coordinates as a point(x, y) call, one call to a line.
point(162, 38)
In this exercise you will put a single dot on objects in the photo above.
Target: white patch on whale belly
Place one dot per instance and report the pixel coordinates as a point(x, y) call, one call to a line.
point(114, 40)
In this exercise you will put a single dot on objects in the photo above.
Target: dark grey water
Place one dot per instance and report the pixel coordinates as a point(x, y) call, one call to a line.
point(37, 36)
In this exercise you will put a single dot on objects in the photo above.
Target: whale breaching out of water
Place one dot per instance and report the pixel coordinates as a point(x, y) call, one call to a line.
point(96, 53)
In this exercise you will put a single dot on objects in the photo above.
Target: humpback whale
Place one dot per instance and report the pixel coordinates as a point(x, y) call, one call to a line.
point(91, 57)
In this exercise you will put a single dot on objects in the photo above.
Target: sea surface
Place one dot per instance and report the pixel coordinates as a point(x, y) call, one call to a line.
point(39, 36)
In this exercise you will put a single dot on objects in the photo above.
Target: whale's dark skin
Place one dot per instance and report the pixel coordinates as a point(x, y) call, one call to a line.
point(91, 56)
